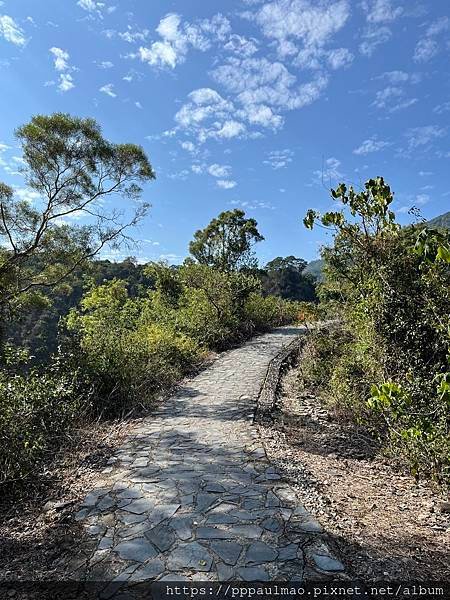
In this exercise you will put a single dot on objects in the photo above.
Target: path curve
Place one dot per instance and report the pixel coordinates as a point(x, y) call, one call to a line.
point(191, 495)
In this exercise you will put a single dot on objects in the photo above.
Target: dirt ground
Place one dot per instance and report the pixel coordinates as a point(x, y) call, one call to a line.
point(37, 528)
point(381, 522)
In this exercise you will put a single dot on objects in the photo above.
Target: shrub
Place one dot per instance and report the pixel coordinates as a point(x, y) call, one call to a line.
point(127, 358)
point(36, 409)
point(390, 289)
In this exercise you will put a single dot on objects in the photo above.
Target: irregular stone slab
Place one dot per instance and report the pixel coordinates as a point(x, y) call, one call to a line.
point(138, 507)
point(253, 574)
point(225, 572)
point(308, 526)
point(182, 527)
point(138, 550)
point(130, 519)
point(272, 524)
point(161, 536)
point(190, 556)
point(246, 531)
point(151, 570)
point(228, 551)
point(259, 552)
point(209, 533)
point(326, 563)
point(221, 519)
point(162, 512)
point(130, 494)
point(288, 552)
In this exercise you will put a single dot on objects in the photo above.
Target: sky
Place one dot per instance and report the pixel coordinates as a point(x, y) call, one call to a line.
point(255, 104)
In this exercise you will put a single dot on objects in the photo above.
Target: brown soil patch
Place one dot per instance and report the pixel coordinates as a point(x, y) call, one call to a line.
point(382, 523)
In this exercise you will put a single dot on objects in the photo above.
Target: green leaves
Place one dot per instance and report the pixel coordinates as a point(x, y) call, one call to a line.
point(226, 243)
point(71, 169)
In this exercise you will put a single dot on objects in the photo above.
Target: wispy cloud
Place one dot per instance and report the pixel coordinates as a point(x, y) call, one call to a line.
point(11, 31)
point(178, 37)
point(108, 89)
point(279, 159)
point(422, 136)
point(220, 171)
point(428, 46)
point(370, 145)
point(226, 184)
point(380, 14)
point(62, 66)
point(302, 31)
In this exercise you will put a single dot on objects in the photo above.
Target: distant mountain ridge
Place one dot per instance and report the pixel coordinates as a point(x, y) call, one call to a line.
point(441, 221)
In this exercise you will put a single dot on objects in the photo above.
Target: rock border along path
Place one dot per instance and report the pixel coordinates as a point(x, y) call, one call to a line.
point(191, 495)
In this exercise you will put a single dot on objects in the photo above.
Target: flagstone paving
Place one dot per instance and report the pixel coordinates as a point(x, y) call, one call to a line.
point(191, 495)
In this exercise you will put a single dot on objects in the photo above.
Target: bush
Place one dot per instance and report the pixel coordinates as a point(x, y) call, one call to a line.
point(36, 409)
point(133, 347)
point(127, 358)
point(390, 289)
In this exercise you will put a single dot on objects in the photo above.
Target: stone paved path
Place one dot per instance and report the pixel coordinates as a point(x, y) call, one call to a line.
point(191, 496)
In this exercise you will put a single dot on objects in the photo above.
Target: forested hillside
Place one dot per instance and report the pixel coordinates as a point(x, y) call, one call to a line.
point(84, 338)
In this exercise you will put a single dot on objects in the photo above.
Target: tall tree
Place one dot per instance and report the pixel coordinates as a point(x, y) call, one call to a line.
point(72, 169)
point(284, 277)
point(226, 243)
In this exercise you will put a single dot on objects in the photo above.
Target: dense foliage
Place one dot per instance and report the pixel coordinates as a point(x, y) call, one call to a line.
point(387, 364)
point(134, 347)
point(226, 243)
point(286, 277)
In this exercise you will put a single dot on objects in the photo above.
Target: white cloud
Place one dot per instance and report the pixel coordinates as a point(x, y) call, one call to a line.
point(261, 82)
point(138, 105)
point(427, 47)
point(301, 28)
point(230, 129)
point(61, 64)
point(177, 38)
point(421, 136)
point(226, 184)
point(425, 50)
point(370, 145)
point(220, 171)
point(442, 108)
point(279, 159)
point(94, 8)
point(108, 89)
point(381, 11)
point(329, 172)
point(394, 95)
point(11, 31)
point(208, 115)
point(189, 146)
point(312, 23)
point(399, 77)
point(61, 59)
point(374, 36)
point(90, 5)
point(339, 58)
point(105, 64)
point(65, 82)
point(241, 46)
point(131, 36)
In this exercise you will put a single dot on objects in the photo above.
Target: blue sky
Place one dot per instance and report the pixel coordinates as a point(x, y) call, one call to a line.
point(256, 104)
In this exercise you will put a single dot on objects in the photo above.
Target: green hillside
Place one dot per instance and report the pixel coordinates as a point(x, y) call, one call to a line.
point(441, 221)
point(314, 268)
